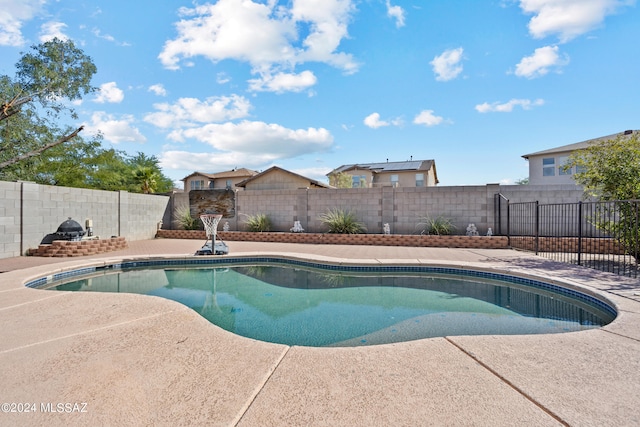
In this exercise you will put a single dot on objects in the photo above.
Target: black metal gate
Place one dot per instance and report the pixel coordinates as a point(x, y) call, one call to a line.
point(599, 235)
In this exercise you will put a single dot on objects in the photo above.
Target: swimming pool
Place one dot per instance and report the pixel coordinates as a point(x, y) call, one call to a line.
point(312, 304)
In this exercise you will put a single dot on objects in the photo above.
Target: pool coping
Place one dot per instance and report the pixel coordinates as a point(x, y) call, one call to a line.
point(552, 379)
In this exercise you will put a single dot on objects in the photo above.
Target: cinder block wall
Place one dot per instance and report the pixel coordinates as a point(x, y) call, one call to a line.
point(281, 206)
point(141, 214)
point(401, 208)
point(9, 219)
point(545, 194)
point(29, 211)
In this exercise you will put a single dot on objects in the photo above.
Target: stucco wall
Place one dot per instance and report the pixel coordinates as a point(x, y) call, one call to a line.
point(536, 167)
point(28, 212)
point(277, 180)
point(405, 179)
point(217, 183)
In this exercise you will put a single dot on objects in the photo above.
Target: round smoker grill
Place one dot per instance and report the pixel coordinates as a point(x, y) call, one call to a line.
point(70, 230)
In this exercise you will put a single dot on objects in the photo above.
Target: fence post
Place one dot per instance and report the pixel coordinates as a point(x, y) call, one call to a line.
point(580, 233)
point(497, 215)
point(537, 226)
point(508, 223)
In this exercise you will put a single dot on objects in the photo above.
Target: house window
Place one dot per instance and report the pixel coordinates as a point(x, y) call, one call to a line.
point(197, 185)
point(581, 169)
point(229, 184)
point(394, 180)
point(549, 166)
point(419, 180)
point(563, 169)
point(359, 181)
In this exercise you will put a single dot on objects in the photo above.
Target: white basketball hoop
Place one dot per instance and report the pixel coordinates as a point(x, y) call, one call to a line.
point(211, 222)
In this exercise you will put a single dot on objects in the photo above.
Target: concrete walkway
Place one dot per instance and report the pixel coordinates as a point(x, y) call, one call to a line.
point(120, 359)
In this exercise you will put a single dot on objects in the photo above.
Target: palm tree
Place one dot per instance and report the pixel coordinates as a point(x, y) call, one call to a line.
point(147, 178)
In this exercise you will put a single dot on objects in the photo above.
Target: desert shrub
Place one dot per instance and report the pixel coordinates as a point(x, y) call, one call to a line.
point(258, 222)
point(340, 221)
point(439, 226)
point(184, 219)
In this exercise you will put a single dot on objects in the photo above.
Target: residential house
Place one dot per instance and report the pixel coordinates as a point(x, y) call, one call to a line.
point(276, 178)
point(412, 173)
point(219, 180)
point(547, 167)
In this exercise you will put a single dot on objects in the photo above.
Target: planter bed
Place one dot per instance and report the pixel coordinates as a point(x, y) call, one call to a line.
point(478, 242)
point(65, 248)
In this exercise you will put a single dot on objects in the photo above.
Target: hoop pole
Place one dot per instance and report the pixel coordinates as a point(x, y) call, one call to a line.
point(210, 222)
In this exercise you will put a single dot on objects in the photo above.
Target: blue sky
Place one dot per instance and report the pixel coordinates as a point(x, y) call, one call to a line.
point(310, 85)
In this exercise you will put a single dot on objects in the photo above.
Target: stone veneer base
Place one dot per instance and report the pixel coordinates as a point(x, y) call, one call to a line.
point(64, 248)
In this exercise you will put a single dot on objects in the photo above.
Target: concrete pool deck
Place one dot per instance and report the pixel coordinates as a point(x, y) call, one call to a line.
point(120, 359)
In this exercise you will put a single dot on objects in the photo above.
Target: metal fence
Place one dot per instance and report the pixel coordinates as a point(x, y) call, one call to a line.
point(600, 235)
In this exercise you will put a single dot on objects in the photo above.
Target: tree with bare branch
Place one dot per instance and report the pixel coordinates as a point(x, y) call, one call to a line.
point(35, 103)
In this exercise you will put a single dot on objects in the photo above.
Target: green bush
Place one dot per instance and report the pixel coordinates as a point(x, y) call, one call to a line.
point(258, 223)
point(439, 226)
point(184, 218)
point(342, 222)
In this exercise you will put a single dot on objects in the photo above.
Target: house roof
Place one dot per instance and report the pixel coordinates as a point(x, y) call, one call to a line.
point(386, 167)
point(411, 165)
point(581, 145)
point(312, 182)
point(233, 173)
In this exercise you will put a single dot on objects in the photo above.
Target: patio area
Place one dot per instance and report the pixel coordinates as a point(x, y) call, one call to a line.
point(122, 359)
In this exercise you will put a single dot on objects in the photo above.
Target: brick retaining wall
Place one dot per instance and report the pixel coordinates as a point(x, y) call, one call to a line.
point(64, 248)
point(477, 242)
point(569, 245)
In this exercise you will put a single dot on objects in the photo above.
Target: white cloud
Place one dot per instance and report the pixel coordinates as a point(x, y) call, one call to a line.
point(255, 138)
point(158, 89)
point(251, 144)
point(12, 16)
point(96, 32)
point(108, 37)
point(540, 62)
point(52, 29)
point(447, 65)
point(397, 13)
point(507, 107)
point(325, 23)
point(427, 118)
point(230, 29)
point(568, 18)
point(373, 121)
point(189, 112)
point(265, 35)
point(283, 82)
point(109, 92)
point(222, 78)
point(177, 159)
point(115, 130)
point(317, 173)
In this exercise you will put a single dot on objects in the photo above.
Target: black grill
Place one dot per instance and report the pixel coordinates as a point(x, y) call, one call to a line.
point(68, 230)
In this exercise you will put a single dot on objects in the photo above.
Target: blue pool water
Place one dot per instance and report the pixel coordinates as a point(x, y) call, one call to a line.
point(314, 307)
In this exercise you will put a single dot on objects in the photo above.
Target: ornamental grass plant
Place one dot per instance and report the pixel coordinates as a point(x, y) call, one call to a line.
point(258, 223)
point(438, 226)
point(184, 219)
point(340, 221)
